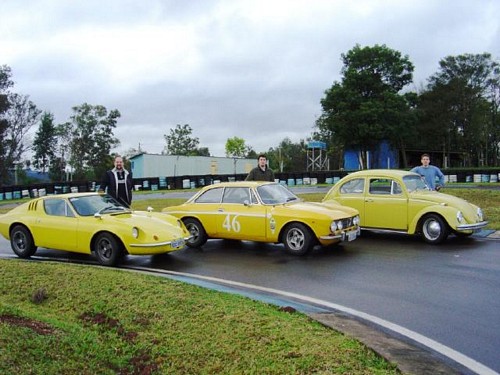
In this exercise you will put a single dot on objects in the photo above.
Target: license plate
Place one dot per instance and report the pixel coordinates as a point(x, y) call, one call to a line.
point(351, 236)
point(178, 243)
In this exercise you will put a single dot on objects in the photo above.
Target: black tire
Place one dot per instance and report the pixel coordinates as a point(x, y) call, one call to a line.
point(434, 229)
point(107, 249)
point(198, 234)
point(21, 242)
point(297, 239)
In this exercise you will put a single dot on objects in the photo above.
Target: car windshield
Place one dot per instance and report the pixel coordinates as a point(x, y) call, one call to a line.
point(89, 205)
point(275, 194)
point(414, 183)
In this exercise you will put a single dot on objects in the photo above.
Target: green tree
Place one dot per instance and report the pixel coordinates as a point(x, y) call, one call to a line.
point(236, 147)
point(288, 156)
point(202, 151)
point(45, 142)
point(92, 138)
point(458, 107)
point(19, 118)
point(5, 84)
point(366, 107)
point(181, 142)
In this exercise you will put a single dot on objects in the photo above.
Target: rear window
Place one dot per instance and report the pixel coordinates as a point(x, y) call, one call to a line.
point(210, 196)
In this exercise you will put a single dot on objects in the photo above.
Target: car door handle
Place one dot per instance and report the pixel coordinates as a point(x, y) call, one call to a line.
point(220, 210)
point(368, 200)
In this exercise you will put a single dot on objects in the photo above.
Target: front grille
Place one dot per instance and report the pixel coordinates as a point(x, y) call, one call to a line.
point(346, 223)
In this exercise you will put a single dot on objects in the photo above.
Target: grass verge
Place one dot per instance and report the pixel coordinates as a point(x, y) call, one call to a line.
point(66, 318)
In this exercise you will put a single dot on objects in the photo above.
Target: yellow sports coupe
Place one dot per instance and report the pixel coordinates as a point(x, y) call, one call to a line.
point(90, 223)
point(264, 212)
point(400, 201)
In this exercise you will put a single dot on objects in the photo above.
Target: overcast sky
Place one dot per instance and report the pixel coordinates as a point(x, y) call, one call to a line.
point(254, 69)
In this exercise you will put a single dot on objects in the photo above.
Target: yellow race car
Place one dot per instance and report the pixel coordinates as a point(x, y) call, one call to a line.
point(264, 212)
point(90, 223)
point(399, 201)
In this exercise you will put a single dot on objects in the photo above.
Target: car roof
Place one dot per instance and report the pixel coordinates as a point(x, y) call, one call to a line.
point(240, 184)
point(381, 172)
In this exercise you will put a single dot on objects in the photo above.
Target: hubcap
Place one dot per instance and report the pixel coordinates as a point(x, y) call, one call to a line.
point(105, 249)
point(193, 229)
point(20, 241)
point(295, 239)
point(432, 229)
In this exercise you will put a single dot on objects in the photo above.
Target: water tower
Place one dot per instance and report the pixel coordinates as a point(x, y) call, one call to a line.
point(317, 159)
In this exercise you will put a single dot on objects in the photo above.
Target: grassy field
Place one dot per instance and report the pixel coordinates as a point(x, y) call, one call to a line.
point(74, 319)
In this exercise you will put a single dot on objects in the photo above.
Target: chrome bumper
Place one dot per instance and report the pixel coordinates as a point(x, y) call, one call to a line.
point(473, 227)
point(347, 235)
point(176, 243)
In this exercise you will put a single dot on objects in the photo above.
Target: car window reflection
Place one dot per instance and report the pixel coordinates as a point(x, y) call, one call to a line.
point(355, 186)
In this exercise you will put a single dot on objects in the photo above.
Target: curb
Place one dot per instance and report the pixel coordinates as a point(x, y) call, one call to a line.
point(409, 358)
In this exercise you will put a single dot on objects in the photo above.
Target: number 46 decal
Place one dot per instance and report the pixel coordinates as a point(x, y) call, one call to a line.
point(231, 225)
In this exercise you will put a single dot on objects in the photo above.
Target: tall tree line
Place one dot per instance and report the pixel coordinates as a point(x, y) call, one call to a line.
point(456, 114)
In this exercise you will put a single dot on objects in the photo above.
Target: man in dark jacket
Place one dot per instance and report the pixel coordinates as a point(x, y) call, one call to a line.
point(261, 172)
point(118, 182)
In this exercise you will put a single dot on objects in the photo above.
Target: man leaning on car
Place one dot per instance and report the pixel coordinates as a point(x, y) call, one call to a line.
point(429, 173)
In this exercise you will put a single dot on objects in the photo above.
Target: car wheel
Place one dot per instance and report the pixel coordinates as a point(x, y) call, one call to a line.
point(198, 235)
point(434, 229)
point(107, 249)
point(22, 242)
point(297, 239)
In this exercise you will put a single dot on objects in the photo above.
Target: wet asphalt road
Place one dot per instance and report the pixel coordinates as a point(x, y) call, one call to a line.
point(448, 293)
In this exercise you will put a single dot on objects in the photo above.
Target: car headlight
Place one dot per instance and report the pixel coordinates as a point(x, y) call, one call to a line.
point(135, 232)
point(480, 214)
point(355, 220)
point(460, 216)
point(333, 226)
point(336, 225)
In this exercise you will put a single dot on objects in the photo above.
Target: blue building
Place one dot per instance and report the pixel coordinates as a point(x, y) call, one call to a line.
point(383, 157)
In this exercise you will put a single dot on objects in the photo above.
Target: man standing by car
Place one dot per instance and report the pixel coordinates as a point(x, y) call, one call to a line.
point(261, 172)
point(429, 172)
point(118, 182)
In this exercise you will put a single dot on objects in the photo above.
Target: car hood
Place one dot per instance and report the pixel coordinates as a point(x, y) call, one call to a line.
point(468, 209)
point(152, 220)
point(331, 209)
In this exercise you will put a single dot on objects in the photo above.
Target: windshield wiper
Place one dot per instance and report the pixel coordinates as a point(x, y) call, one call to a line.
point(113, 208)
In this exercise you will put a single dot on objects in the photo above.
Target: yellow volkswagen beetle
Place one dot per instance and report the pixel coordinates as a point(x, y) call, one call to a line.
point(400, 201)
point(264, 212)
point(90, 223)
